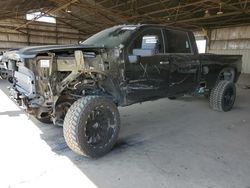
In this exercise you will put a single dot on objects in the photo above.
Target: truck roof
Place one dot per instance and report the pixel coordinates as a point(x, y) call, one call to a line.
point(155, 25)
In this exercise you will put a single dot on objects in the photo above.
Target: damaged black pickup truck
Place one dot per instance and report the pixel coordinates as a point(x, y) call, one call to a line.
point(81, 86)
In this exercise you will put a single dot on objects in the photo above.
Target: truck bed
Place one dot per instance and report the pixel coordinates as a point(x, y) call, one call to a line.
point(214, 63)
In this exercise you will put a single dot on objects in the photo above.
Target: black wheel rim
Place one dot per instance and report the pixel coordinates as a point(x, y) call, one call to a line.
point(228, 98)
point(101, 126)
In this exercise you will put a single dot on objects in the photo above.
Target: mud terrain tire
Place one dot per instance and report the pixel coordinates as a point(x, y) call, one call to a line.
point(91, 126)
point(223, 96)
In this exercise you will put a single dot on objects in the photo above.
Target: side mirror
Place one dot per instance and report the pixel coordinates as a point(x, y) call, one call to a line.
point(144, 52)
point(137, 53)
point(149, 46)
point(133, 58)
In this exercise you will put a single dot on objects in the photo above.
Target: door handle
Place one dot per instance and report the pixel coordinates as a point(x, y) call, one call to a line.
point(164, 62)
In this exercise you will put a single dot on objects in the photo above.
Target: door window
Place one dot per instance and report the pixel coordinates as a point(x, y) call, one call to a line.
point(149, 38)
point(177, 42)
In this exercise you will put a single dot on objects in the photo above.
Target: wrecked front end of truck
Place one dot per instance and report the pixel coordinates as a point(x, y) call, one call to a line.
point(47, 80)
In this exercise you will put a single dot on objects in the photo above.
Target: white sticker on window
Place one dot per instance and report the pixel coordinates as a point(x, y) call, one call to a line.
point(150, 39)
point(44, 63)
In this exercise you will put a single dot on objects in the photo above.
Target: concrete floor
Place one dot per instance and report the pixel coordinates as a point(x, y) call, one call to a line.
point(181, 143)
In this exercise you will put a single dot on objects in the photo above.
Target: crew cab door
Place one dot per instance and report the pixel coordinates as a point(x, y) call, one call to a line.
point(148, 75)
point(183, 59)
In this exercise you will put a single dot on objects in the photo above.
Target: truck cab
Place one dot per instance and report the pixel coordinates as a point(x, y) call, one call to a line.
point(160, 61)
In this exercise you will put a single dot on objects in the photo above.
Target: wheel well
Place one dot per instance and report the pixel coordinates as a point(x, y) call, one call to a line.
point(228, 74)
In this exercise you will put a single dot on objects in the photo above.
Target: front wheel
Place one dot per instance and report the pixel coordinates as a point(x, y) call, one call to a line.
point(223, 96)
point(91, 126)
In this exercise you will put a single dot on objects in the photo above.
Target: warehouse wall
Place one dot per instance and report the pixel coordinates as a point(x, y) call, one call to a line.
point(234, 40)
point(35, 33)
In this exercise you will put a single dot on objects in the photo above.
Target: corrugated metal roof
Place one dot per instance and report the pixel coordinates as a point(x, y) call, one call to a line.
point(91, 16)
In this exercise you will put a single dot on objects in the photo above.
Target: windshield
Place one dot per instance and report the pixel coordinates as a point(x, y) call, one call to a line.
point(111, 37)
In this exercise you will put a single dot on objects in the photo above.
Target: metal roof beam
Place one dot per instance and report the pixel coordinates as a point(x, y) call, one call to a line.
point(50, 12)
point(168, 9)
point(211, 17)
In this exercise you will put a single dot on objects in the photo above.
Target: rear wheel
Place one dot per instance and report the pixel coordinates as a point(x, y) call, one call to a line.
point(227, 74)
point(223, 96)
point(3, 74)
point(10, 79)
point(91, 126)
